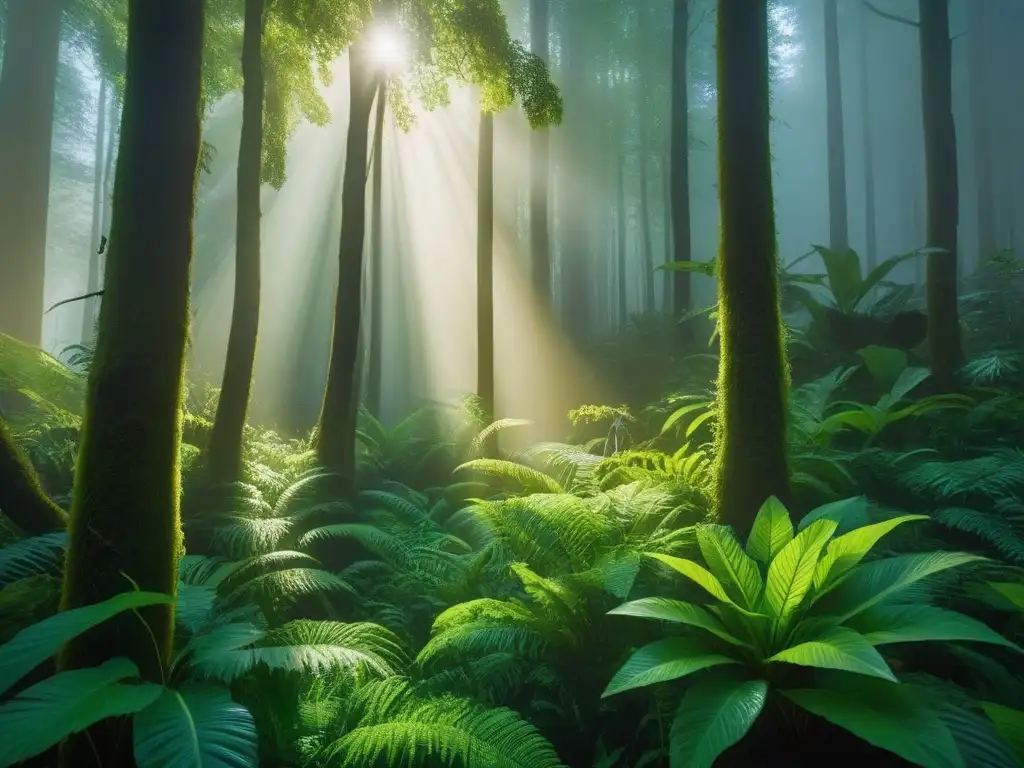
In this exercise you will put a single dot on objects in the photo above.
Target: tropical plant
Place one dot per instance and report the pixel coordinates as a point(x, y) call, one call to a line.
point(801, 599)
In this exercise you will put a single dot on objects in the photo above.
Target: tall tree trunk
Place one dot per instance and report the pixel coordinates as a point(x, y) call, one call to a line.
point(125, 517)
point(645, 213)
point(22, 498)
point(540, 154)
point(374, 378)
point(839, 236)
point(753, 377)
point(485, 270)
point(870, 211)
point(943, 191)
point(621, 230)
point(666, 207)
point(980, 95)
point(28, 83)
point(225, 448)
point(108, 170)
point(93, 281)
point(680, 133)
point(336, 445)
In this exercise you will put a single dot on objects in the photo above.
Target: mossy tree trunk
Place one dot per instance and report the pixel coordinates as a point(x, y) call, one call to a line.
point(28, 84)
point(680, 161)
point(22, 498)
point(753, 376)
point(125, 512)
point(485, 271)
point(374, 376)
point(225, 448)
point(540, 159)
point(336, 445)
point(839, 230)
point(943, 194)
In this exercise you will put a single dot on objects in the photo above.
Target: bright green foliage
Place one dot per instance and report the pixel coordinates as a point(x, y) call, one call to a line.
point(803, 598)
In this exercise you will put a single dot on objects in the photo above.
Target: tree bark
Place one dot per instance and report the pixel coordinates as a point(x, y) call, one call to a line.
point(28, 83)
point(336, 443)
point(753, 377)
point(125, 520)
point(93, 281)
point(226, 436)
point(22, 498)
point(540, 157)
point(680, 159)
point(485, 270)
point(980, 103)
point(374, 378)
point(839, 236)
point(943, 194)
point(870, 212)
point(621, 230)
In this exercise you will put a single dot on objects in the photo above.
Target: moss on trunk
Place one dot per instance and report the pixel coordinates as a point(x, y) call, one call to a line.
point(753, 376)
point(336, 444)
point(485, 274)
point(225, 452)
point(22, 498)
point(125, 511)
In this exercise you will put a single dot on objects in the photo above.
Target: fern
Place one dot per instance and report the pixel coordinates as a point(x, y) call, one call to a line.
point(33, 556)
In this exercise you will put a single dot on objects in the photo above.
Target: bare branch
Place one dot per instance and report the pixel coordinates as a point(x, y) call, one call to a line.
point(890, 16)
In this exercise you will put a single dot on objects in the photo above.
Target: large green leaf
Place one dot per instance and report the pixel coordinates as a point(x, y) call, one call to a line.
point(697, 574)
point(874, 582)
point(772, 530)
point(1011, 591)
point(198, 726)
point(792, 571)
point(844, 276)
point(838, 648)
point(34, 644)
point(39, 717)
point(734, 568)
point(844, 552)
point(1009, 724)
point(848, 513)
point(667, 609)
point(886, 715)
point(712, 716)
point(664, 660)
point(913, 623)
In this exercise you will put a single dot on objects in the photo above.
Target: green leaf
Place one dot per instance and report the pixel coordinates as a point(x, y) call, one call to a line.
point(886, 715)
point(727, 560)
point(792, 571)
point(886, 624)
point(1011, 591)
point(838, 648)
point(772, 531)
point(712, 716)
point(1009, 724)
point(664, 660)
point(34, 644)
point(39, 717)
point(848, 514)
point(844, 552)
point(198, 726)
point(697, 574)
point(874, 582)
point(676, 611)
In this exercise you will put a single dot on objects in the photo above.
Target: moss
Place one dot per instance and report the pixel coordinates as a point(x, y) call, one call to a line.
point(125, 527)
point(753, 378)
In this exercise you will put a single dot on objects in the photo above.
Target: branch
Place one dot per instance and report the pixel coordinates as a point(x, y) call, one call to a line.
point(890, 16)
point(76, 298)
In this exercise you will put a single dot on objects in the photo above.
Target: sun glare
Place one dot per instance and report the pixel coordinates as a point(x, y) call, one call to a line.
point(388, 48)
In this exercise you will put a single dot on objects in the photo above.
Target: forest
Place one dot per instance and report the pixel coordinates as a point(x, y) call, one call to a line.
point(511, 383)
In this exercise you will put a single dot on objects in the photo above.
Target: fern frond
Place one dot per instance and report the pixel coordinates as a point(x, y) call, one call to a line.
point(410, 730)
point(33, 556)
point(242, 537)
point(993, 529)
point(528, 478)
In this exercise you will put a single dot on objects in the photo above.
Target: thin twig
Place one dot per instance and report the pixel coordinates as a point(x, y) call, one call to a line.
point(890, 16)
